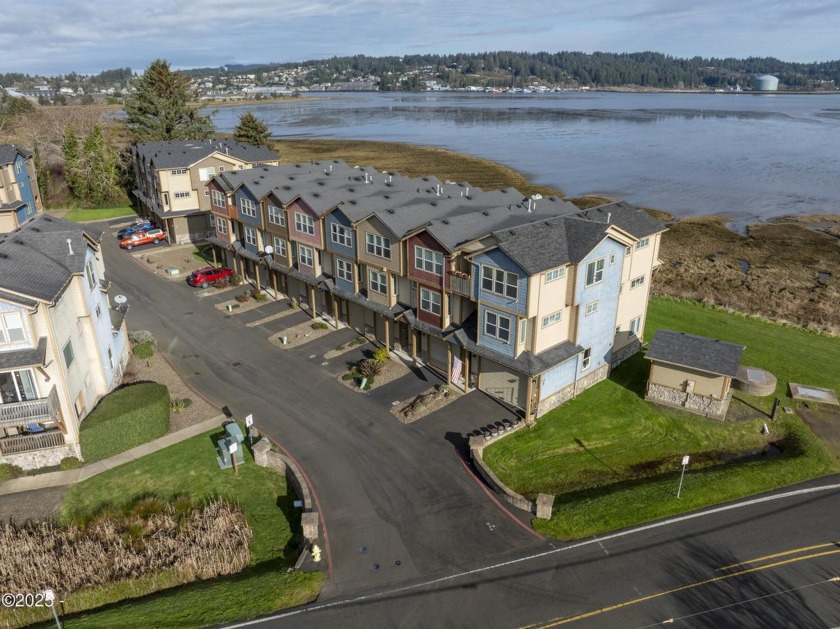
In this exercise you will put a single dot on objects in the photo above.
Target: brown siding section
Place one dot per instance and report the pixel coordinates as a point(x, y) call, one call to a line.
point(317, 239)
point(228, 210)
point(374, 226)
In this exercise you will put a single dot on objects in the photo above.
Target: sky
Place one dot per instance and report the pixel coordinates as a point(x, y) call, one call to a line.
point(87, 36)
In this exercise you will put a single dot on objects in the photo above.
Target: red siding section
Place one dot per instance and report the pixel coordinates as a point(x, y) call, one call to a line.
point(315, 240)
point(426, 241)
point(226, 237)
point(228, 210)
point(428, 317)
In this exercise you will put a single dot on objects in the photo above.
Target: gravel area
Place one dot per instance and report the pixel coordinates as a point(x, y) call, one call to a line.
point(393, 370)
point(39, 504)
point(300, 334)
point(178, 256)
point(433, 400)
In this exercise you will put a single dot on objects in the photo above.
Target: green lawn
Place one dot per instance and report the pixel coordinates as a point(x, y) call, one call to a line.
point(612, 459)
point(189, 468)
point(99, 214)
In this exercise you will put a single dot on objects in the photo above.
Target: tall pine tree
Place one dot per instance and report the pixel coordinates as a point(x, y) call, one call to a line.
point(160, 108)
point(72, 160)
point(251, 130)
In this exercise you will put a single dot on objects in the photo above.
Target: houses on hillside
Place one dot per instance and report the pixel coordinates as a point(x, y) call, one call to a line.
point(20, 198)
point(62, 345)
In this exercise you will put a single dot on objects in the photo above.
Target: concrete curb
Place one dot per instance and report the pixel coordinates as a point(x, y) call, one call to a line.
point(70, 477)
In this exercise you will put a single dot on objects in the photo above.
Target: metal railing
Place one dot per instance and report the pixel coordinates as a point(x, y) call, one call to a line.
point(28, 443)
point(30, 411)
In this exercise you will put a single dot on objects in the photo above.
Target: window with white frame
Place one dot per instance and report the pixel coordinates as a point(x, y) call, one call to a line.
point(553, 318)
point(12, 330)
point(341, 235)
point(276, 216)
point(206, 174)
point(90, 274)
point(592, 307)
point(628, 250)
point(587, 358)
point(497, 326)
point(221, 225)
point(595, 272)
point(178, 171)
point(17, 386)
point(206, 193)
point(251, 236)
point(378, 283)
point(279, 247)
point(617, 330)
point(304, 223)
point(635, 325)
point(18, 168)
point(644, 242)
point(523, 330)
point(344, 270)
point(499, 281)
point(69, 355)
point(637, 281)
point(377, 245)
point(428, 260)
point(305, 256)
point(555, 274)
point(430, 301)
point(247, 207)
point(612, 259)
point(182, 195)
point(217, 198)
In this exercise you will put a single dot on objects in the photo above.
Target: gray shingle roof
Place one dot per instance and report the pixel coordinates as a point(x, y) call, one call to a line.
point(183, 153)
point(35, 259)
point(25, 357)
point(8, 153)
point(695, 352)
point(630, 218)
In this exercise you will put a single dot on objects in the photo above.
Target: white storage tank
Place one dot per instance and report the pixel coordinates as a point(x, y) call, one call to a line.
point(766, 83)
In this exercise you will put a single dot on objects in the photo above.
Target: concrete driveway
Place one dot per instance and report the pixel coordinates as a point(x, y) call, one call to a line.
point(399, 492)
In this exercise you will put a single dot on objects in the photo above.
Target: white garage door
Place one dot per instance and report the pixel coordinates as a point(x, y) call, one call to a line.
point(503, 383)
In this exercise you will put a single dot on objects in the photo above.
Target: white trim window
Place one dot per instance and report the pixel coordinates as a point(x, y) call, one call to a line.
point(178, 171)
point(217, 198)
point(221, 225)
point(595, 272)
point(554, 317)
point(69, 355)
point(247, 207)
point(644, 242)
point(635, 283)
point(182, 195)
point(251, 236)
point(206, 174)
point(628, 250)
point(497, 326)
point(304, 223)
point(18, 167)
point(555, 274)
point(428, 260)
point(305, 256)
point(499, 281)
point(12, 329)
point(635, 326)
point(378, 283)
point(341, 235)
point(279, 247)
point(90, 273)
point(344, 270)
point(430, 301)
point(592, 307)
point(377, 245)
point(612, 259)
point(586, 360)
point(276, 216)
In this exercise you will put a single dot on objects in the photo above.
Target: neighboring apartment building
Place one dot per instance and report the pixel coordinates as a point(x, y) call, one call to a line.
point(531, 300)
point(20, 198)
point(62, 345)
point(171, 180)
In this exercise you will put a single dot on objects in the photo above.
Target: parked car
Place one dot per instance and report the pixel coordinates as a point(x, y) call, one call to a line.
point(209, 275)
point(125, 232)
point(153, 236)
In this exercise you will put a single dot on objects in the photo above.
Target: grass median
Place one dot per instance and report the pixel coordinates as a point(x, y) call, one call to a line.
point(613, 459)
point(99, 214)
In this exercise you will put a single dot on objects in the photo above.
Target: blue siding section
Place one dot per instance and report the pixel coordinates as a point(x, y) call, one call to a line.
point(493, 343)
point(497, 258)
point(558, 377)
point(598, 330)
point(26, 193)
point(344, 284)
point(243, 192)
point(338, 217)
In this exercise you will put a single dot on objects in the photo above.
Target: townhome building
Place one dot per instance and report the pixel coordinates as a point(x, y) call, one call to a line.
point(527, 298)
point(62, 345)
point(20, 197)
point(172, 176)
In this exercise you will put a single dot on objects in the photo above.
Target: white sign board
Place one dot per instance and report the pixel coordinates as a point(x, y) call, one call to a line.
point(685, 460)
point(249, 421)
point(233, 447)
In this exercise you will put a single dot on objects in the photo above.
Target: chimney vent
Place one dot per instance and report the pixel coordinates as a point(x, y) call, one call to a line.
point(70, 247)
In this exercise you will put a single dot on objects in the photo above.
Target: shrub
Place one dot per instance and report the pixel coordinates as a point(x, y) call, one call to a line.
point(370, 368)
point(222, 283)
point(181, 404)
point(143, 350)
point(243, 298)
point(125, 419)
point(380, 354)
point(320, 325)
point(9, 471)
point(69, 463)
point(293, 303)
point(359, 340)
point(258, 294)
point(142, 336)
point(236, 279)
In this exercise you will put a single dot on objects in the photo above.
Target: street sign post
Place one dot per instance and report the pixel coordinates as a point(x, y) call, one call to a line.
point(249, 421)
point(685, 460)
point(232, 449)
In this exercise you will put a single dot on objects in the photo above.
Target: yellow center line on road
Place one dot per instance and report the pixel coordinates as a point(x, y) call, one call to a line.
point(563, 621)
point(787, 552)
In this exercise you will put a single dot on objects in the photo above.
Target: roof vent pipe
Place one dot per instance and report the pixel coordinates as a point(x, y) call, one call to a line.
point(468, 191)
point(70, 247)
point(609, 216)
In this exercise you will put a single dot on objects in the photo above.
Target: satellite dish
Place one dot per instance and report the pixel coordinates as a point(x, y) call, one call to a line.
point(120, 299)
point(269, 250)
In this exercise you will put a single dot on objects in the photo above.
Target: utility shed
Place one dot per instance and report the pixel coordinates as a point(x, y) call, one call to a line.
point(692, 372)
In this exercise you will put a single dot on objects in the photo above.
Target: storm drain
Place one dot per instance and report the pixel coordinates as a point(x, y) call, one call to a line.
point(237, 364)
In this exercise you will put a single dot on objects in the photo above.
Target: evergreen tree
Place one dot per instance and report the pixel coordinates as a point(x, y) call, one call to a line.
point(72, 162)
point(42, 175)
point(160, 108)
point(251, 130)
point(99, 168)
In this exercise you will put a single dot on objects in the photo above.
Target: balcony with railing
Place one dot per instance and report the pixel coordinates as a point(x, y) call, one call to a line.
point(27, 442)
point(460, 283)
point(31, 411)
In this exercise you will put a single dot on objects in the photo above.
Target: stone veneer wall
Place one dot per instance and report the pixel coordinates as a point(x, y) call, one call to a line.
point(626, 352)
point(567, 393)
point(42, 458)
point(700, 404)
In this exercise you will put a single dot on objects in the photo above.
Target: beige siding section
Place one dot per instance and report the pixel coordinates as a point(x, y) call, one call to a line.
point(7, 222)
point(374, 226)
point(551, 297)
point(679, 377)
point(633, 302)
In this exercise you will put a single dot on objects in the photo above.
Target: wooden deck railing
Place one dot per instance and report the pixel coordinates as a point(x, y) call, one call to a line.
point(28, 443)
point(30, 411)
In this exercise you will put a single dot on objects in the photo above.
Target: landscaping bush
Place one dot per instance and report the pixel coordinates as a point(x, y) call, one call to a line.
point(9, 471)
point(222, 283)
point(143, 350)
point(359, 340)
point(236, 279)
point(380, 354)
point(142, 336)
point(243, 298)
point(69, 463)
point(370, 368)
point(320, 325)
point(258, 295)
point(124, 419)
point(181, 404)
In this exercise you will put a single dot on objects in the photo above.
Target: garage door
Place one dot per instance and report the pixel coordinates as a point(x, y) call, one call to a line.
point(503, 383)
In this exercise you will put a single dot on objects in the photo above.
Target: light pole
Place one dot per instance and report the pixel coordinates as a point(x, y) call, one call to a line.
point(49, 597)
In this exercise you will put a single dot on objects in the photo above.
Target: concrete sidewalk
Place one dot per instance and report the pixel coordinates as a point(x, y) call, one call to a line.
point(69, 477)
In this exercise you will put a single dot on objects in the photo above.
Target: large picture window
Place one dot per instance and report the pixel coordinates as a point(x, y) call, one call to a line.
point(378, 245)
point(247, 207)
point(428, 260)
point(497, 326)
point(499, 281)
point(304, 224)
point(217, 198)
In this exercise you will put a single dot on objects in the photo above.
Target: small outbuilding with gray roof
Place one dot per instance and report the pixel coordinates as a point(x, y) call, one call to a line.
point(692, 372)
